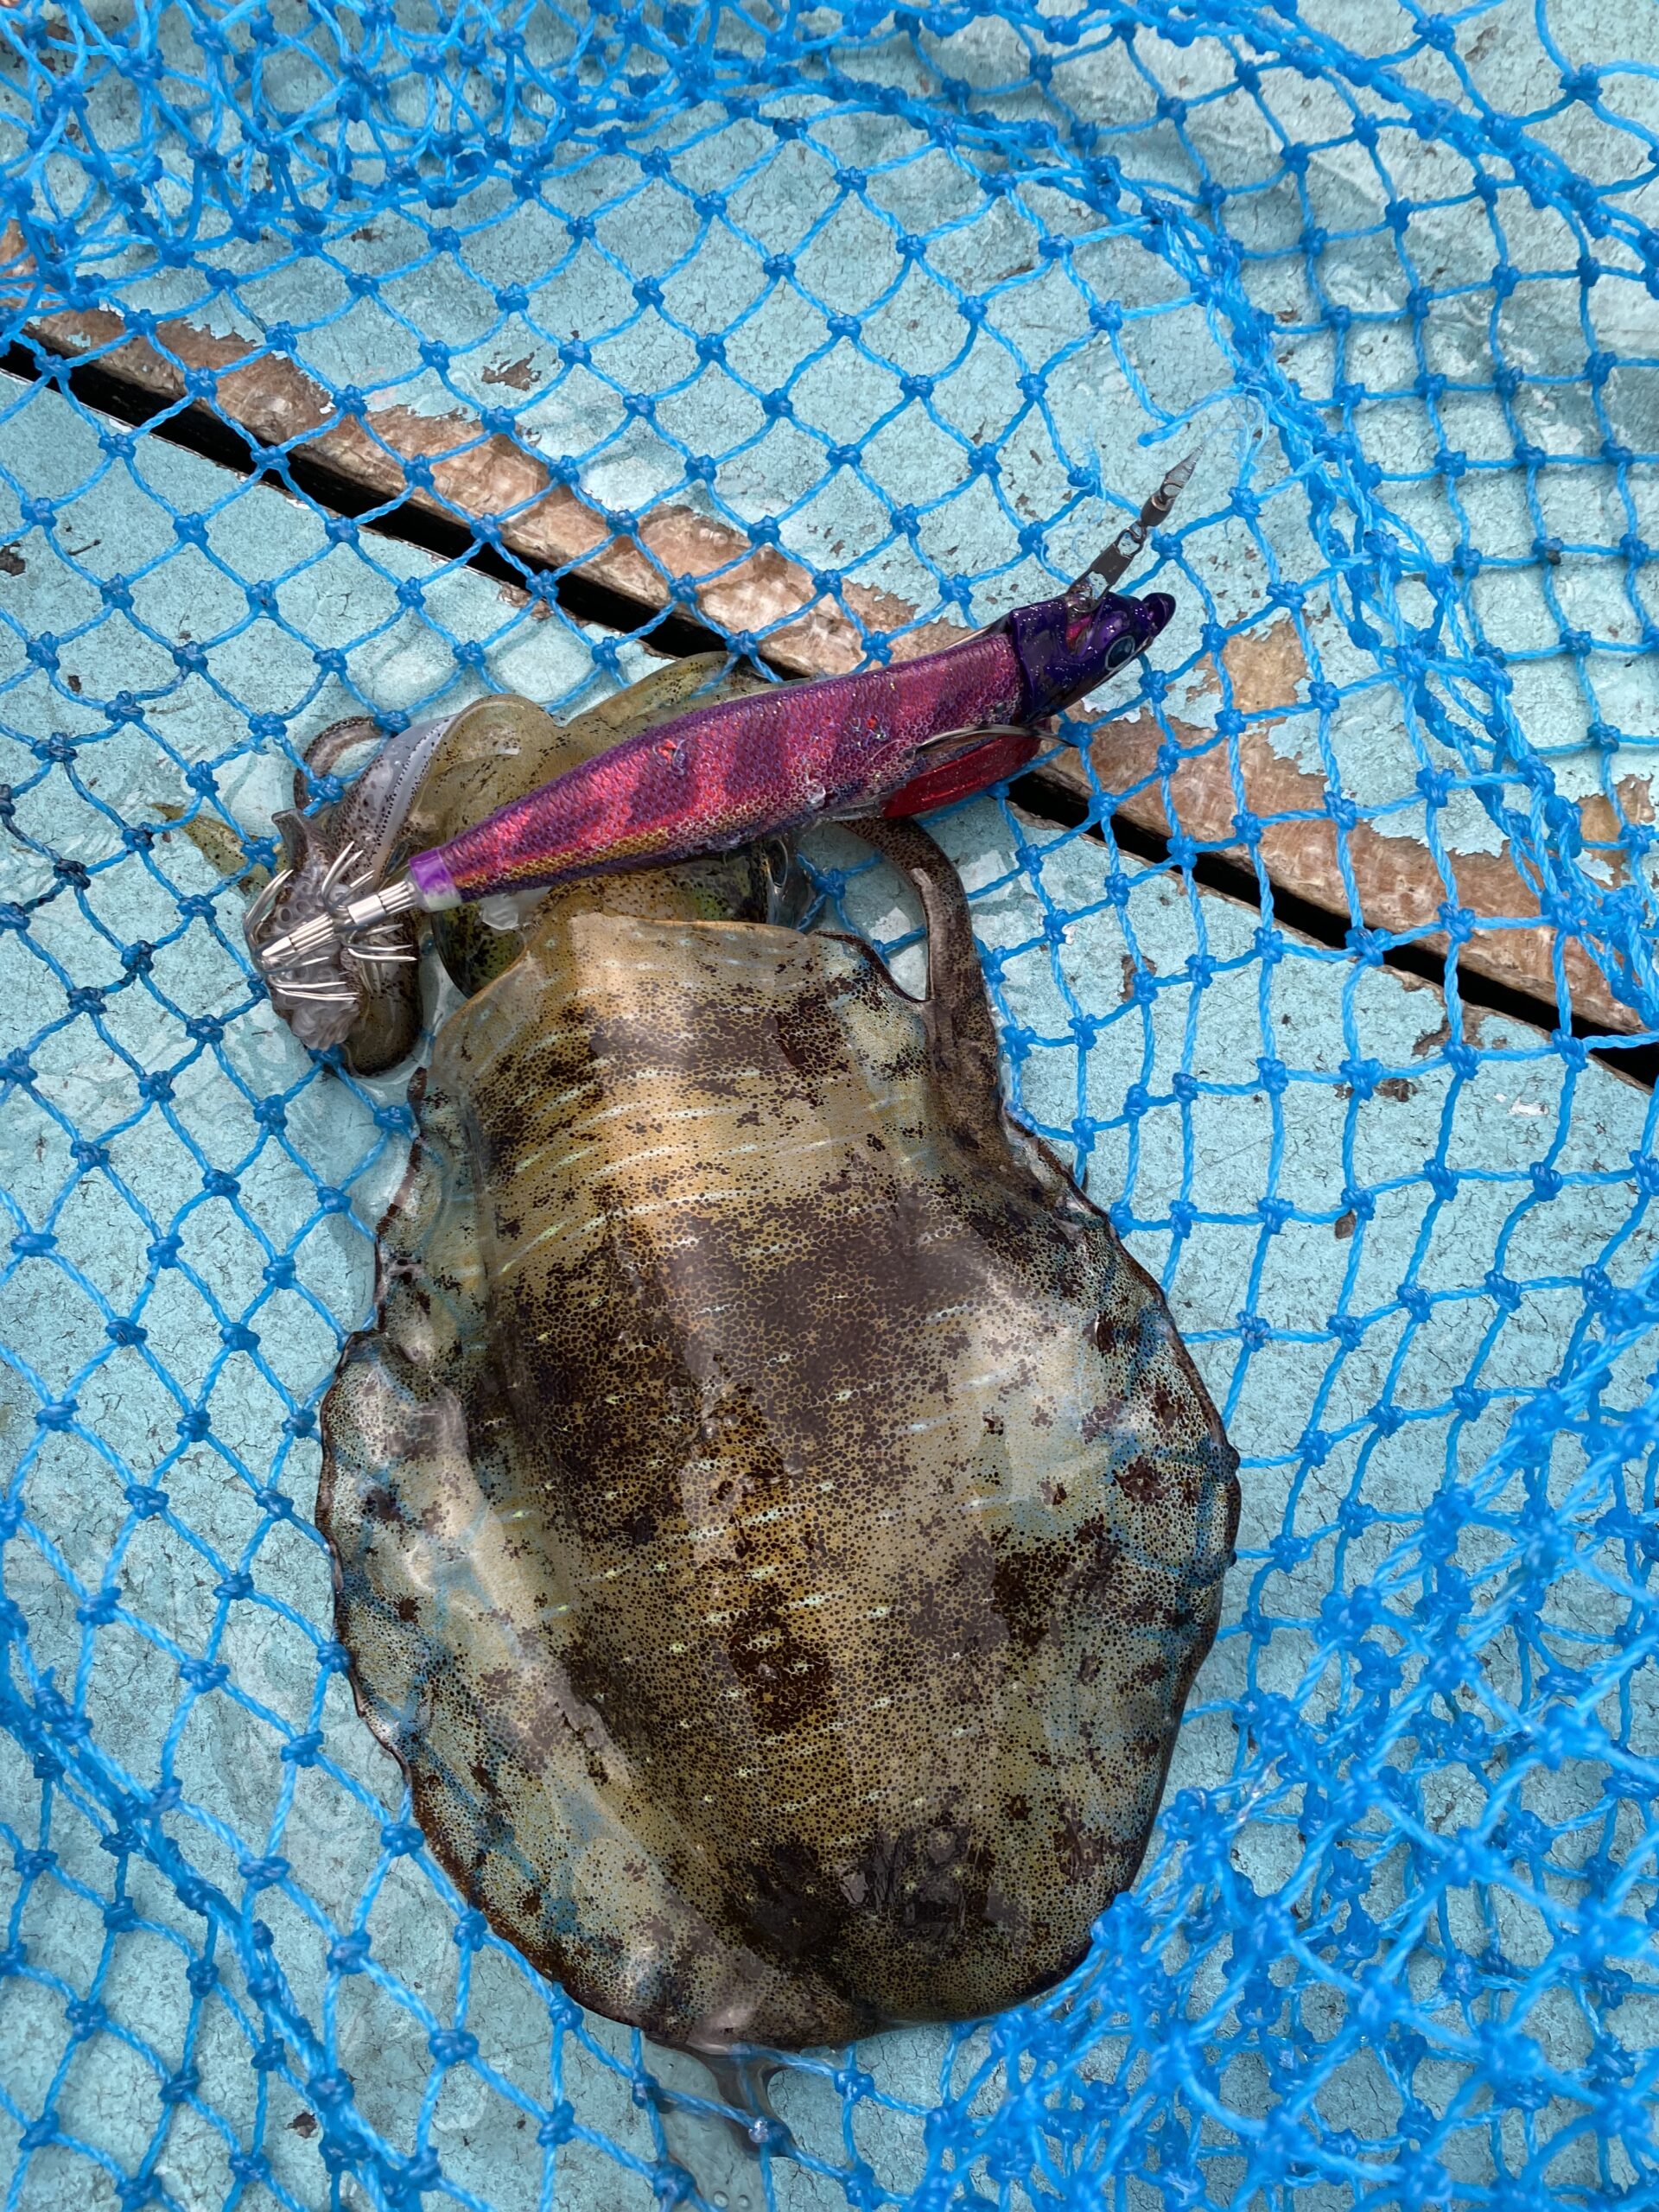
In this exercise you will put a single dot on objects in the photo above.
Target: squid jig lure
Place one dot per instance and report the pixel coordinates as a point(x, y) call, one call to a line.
point(892, 741)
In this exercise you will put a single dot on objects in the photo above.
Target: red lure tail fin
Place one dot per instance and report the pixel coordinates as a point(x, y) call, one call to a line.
point(990, 756)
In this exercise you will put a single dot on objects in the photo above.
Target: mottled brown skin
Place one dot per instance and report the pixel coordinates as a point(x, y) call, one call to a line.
point(776, 1524)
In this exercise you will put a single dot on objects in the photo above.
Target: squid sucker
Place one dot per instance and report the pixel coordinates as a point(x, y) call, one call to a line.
point(775, 1524)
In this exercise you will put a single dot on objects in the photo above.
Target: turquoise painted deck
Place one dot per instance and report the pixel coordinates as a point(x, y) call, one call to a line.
point(1128, 969)
point(1141, 1009)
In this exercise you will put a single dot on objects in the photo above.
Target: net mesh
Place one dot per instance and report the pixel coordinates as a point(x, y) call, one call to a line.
point(539, 332)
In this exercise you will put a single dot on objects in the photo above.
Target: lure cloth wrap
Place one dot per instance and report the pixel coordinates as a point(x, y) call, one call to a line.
point(719, 776)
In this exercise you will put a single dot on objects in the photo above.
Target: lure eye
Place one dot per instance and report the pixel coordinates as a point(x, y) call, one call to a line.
point(1123, 648)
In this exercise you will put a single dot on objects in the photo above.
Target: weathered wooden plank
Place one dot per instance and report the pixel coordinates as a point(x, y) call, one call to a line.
point(451, 465)
point(1398, 884)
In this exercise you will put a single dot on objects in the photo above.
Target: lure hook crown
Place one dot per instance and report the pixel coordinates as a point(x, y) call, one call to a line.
point(336, 929)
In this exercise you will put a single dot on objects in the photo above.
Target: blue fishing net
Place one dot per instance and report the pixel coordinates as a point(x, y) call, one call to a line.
point(365, 357)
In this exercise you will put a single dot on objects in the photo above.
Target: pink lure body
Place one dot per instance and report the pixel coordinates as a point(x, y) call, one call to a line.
point(718, 776)
point(892, 741)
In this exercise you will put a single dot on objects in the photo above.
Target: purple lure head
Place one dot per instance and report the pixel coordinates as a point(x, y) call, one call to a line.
point(1066, 646)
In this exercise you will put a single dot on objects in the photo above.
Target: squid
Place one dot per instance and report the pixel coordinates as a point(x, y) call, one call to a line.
point(775, 1525)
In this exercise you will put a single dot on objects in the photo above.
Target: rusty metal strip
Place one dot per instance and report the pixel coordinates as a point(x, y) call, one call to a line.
point(450, 464)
